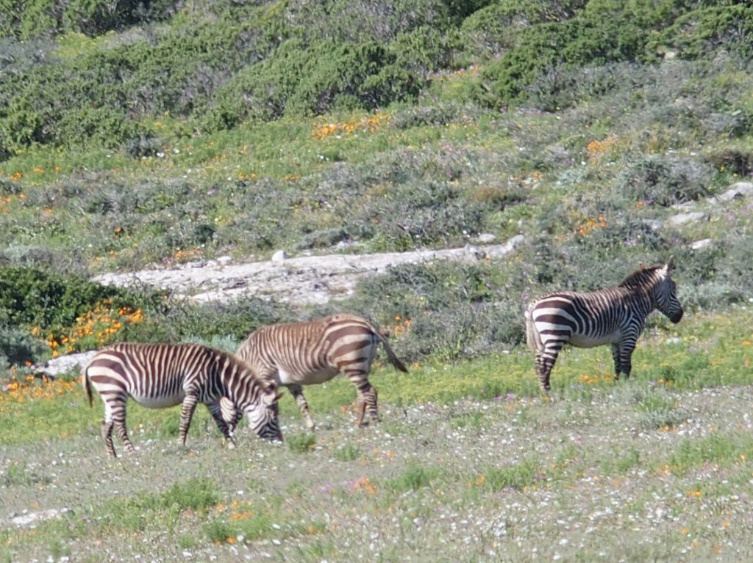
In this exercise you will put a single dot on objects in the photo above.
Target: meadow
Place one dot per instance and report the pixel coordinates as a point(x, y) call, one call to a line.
point(469, 463)
point(601, 131)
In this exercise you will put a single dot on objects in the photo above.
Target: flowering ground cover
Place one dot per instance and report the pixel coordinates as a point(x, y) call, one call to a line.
point(468, 463)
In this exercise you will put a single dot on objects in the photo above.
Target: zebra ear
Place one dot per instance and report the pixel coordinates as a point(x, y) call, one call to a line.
point(670, 264)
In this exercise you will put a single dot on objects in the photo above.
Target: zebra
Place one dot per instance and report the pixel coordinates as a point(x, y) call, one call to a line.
point(614, 315)
point(306, 353)
point(164, 375)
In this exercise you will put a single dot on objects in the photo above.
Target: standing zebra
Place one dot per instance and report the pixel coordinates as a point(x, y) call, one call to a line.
point(296, 354)
point(164, 375)
point(614, 315)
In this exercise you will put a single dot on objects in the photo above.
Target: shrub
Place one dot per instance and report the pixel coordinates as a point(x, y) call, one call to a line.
point(516, 476)
point(19, 347)
point(177, 321)
point(412, 478)
point(664, 180)
point(347, 452)
point(145, 144)
point(197, 493)
point(499, 25)
point(406, 118)
point(33, 297)
point(300, 443)
point(704, 32)
point(731, 160)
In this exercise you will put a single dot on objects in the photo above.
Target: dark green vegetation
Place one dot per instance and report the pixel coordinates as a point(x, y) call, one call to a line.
point(150, 134)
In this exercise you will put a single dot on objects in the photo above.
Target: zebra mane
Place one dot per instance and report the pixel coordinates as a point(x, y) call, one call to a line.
point(641, 278)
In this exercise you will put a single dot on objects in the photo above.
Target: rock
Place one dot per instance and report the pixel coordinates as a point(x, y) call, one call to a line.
point(31, 517)
point(703, 243)
point(279, 256)
point(293, 283)
point(63, 364)
point(737, 190)
point(684, 206)
point(343, 244)
point(224, 260)
point(486, 238)
point(653, 224)
point(683, 218)
point(475, 251)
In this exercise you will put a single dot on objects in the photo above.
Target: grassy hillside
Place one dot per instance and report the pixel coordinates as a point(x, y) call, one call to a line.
point(168, 132)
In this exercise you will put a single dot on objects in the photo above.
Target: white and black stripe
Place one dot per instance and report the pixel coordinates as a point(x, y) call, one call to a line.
point(296, 354)
point(165, 375)
point(614, 316)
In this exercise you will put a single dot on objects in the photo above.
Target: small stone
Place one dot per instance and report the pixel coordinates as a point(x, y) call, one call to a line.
point(486, 238)
point(738, 190)
point(683, 218)
point(653, 224)
point(279, 256)
point(703, 243)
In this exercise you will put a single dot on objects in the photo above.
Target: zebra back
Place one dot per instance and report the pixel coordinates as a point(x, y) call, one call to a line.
point(328, 343)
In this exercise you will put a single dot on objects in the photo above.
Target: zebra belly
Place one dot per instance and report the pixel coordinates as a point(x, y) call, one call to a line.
point(583, 341)
point(289, 377)
point(159, 402)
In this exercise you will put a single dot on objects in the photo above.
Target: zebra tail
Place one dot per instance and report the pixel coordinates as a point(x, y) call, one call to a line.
point(533, 338)
point(87, 386)
point(394, 360)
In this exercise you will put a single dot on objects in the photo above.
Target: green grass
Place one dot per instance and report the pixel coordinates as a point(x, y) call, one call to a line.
point(722, 358)
point(590, 460)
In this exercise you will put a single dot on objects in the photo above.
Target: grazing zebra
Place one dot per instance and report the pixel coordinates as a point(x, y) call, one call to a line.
point(164, 375)
point(613, 316)
point(296, 354)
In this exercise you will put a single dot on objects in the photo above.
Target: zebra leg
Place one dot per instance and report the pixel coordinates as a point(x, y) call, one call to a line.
point(626, 359)
point(216, 412)
point(544, 363)
point(105, 428)
point(119, 420)
point(367, 397)
point(186, 412)
point(303, 406)
point(616, 356)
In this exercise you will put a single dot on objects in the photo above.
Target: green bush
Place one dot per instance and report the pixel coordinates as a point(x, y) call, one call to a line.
point(499, 25)
point(703, 32)
point(301, 443)
point(412, 478)
point(27, 20)
point(197, 493)
point(664, 180)
point(35, 298)
point(18, 347)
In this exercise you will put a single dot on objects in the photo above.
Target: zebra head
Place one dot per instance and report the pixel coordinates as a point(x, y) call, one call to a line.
point(666, 293)
point(264, 415)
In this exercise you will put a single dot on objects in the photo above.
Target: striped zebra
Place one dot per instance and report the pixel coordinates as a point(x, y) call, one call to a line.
point(165, 375)
point(614, 316)
point(296, 354)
